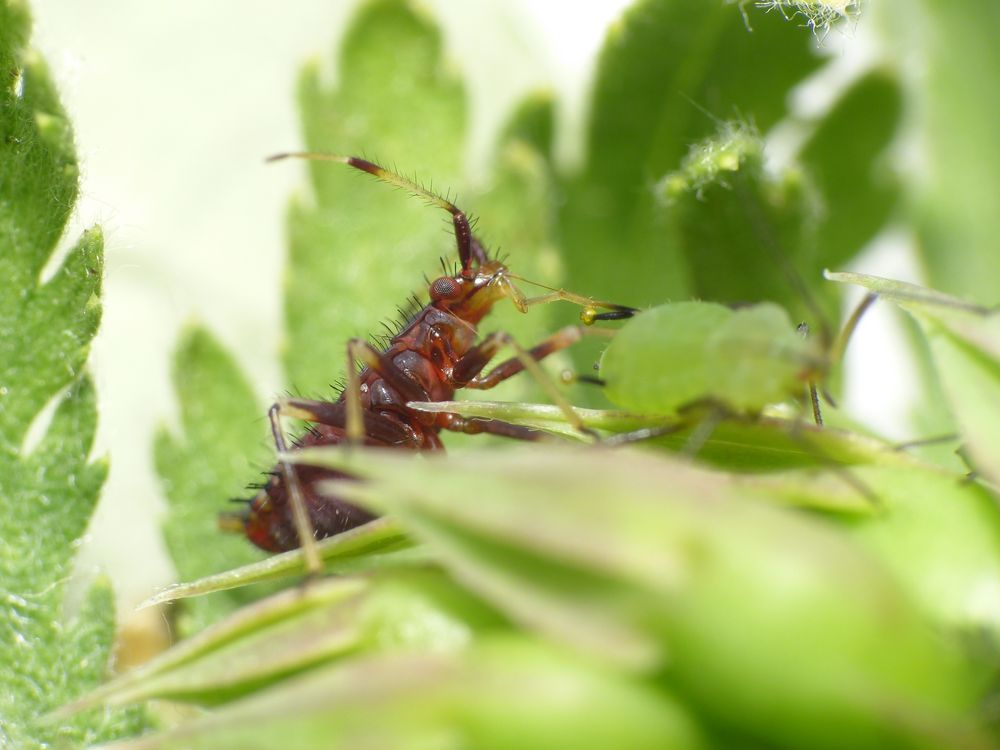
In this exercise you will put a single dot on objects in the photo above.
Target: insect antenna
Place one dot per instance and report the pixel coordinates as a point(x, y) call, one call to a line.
point(468, 250)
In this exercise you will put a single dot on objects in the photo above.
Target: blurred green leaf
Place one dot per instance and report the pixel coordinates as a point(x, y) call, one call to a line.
point(736, 442)
point(953, 187)
point(749, 236)
point(507, 692)
point(592, 546)
point(667, 73)
point(297, 630)
point(941, 537)
point(964, 342)
point(356, 247)
point(222, 440)
point(533, 122)
point(263, 641)
point(845, 159)
point(745, 235)
point(48, 488)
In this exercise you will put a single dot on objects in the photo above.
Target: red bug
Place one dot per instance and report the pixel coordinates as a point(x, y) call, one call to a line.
point(434, 353)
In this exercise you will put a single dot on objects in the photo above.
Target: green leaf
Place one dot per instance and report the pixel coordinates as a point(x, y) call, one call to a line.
point(297, 630)
point(504, 692)
point(951, 195)
point(845, 159)
point(380, 543)
point(730, 594)
point(736, 442)
point(359, 248)
point(48, 488)
point(964, 341)
point(748, 235)
point(662, 66)
point(221, 444)
point(533, 122)
point(941, 537)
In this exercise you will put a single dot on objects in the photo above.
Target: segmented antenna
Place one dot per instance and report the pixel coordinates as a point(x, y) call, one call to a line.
point(463, 234)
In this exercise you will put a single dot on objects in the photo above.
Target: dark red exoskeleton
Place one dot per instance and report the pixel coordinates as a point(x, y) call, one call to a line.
point(435, 353)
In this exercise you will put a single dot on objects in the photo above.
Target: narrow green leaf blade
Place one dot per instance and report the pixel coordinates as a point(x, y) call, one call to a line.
point(505, 693)
point(377, 544)
point(275, 639)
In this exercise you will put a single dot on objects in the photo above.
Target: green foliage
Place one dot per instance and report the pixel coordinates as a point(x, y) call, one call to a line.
point(222, 443)
point(668, 72)
point(964, 340)
point(951, 202)
point(48, 488)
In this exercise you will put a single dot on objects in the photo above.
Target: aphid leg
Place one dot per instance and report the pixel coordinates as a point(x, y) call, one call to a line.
point(303, 527)
point(811, 388)
point(642, 434)
point(359, 350)
point(814, 401)
point(465, 374)
point(844, 337)
point(703, 431)
point(568, 377)
point(835, 355)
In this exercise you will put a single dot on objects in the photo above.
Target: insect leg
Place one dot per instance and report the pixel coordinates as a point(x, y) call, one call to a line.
point(477, 426)
point(466, 370)
point(377, 428)
point(840, 345)
point(303, 527)
point(835, 355)
point(359, 350)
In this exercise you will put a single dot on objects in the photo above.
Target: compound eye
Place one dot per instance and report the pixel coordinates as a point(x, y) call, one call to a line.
point(445, 288)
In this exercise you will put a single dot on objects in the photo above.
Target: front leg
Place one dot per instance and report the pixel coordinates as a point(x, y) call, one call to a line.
point(378, 429)
point(359, 350)
point(467, 369)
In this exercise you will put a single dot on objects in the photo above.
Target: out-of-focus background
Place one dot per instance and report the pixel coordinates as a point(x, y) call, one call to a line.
point(175, 105)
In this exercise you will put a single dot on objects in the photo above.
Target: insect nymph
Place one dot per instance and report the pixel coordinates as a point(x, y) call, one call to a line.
point(435, 353)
